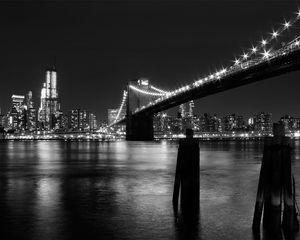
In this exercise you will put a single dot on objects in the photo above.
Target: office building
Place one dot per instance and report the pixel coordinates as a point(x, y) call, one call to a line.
point(49, 100)
point(112, 115)
point(262, 123)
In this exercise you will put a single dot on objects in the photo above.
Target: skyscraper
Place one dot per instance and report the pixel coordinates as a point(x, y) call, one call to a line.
point(16, 111)
point(263, 123)
point(112, 115)
point(50, 106)
point(17, 101)
point(93, 122)
point(81, 120)
point(182, 110)
point(30, 123)
point(290, 123)
point(191, 106)
point(29, 101)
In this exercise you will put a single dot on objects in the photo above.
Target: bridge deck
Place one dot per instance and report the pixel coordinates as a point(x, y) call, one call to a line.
point(274, 67)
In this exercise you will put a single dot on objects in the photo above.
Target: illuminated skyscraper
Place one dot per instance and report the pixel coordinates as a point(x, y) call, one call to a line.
point(29, 101)
point(263, 123)
point(93, 122)
point(191, 106)
point(80, 120)
point(17, 101)
point(30, 123)
point(16, 111)
point(112, 115)
point(50, 106)
point(182, 110)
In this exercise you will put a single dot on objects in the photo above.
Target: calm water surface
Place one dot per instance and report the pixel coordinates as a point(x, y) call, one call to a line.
point(123, 190)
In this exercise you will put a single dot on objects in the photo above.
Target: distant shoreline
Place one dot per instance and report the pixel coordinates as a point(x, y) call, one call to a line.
point(227, 139)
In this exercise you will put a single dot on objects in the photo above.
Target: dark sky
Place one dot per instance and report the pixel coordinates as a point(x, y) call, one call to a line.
point(100, 45)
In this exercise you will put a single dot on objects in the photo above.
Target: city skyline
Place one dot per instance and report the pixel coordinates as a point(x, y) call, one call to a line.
point(94, 60)
point(23, 117)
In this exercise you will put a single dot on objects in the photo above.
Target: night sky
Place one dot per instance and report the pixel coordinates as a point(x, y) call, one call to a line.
point(100, 45)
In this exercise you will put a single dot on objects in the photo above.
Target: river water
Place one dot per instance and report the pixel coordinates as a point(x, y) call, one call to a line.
point(123, 190)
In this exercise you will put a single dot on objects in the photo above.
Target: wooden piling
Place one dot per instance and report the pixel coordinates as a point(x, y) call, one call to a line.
point(177, 182)
point(290, 223)
point(263, 178)
point(187, 177)
point(276, 186)
point(274, 226)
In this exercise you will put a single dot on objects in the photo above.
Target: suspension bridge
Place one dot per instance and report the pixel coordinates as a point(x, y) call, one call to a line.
point(269, 57)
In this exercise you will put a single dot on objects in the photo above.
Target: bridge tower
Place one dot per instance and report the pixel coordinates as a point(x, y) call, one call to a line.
point(139, 127)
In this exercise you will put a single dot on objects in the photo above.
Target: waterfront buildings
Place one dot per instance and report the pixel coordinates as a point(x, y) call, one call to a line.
point(258, 125)
point(262, 123)
point(290, 123)
point(81, 120)
point(23, 117)
point(233, 122)
point(209, 123)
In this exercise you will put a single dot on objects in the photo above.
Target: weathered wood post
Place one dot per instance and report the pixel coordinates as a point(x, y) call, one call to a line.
point(272, 218)
point(290, 223)
point(276, 186)
point(262, 185)
point(187, 177)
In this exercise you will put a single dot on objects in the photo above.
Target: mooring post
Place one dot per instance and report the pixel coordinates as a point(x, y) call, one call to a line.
point(263, 181)
point(274, 226)
point(267, 162)
point(177, 182)
point(187, 177)
point(276, 186)
point(290, 223)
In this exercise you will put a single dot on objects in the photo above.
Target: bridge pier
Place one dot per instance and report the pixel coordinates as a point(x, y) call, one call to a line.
point(139, 127)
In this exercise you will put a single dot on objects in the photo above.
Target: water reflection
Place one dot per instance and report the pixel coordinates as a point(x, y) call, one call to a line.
point(123, 190)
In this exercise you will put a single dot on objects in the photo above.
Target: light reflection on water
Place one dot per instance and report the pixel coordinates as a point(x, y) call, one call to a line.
point(123, 190)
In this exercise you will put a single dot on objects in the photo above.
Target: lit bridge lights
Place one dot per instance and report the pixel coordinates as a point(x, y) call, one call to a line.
point(274, 34)
point(257, 54)
point(144, 91)
point(125, 93)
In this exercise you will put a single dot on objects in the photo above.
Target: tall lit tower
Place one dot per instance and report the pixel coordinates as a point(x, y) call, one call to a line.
point(191, 106)
point(50, 106)
point(28, 100)
point(182, 110)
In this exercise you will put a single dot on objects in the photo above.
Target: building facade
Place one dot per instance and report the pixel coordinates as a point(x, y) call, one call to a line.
point(50, 106)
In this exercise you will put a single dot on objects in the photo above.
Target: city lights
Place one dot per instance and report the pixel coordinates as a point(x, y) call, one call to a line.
point(145, 92)
point(263, 42)
point(254, 56)
point(287, 25)
point(266, 54)
point(274, 34)
point(158, 90)
point(23, 121)
point(122, 105)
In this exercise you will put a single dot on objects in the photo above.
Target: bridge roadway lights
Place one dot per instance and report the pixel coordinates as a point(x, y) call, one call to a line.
point(139, 127)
